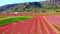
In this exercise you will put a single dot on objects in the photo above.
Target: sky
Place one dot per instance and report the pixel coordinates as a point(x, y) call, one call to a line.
point(5, 2)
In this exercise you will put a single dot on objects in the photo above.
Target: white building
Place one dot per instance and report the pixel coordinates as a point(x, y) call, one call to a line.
point(16, 12)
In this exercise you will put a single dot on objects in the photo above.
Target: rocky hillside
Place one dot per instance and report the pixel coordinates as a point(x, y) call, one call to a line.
point(43, 6)
point(57, 2)
point(20, 7)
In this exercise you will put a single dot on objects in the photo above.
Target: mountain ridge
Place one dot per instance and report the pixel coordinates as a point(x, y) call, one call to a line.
point(26, 5)
point(29, 6)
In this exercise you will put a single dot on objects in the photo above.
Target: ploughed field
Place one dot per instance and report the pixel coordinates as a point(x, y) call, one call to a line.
point(37, 24)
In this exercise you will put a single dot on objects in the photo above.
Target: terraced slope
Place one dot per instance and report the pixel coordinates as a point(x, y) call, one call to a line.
point(36, 25)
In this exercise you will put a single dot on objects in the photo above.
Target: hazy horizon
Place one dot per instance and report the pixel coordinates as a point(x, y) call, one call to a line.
point(5, 2)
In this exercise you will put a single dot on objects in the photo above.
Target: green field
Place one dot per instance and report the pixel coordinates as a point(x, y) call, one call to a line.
point(12, 20)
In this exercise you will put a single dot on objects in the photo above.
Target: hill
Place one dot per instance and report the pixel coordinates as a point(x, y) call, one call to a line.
point(20, 7)
point(42, 6)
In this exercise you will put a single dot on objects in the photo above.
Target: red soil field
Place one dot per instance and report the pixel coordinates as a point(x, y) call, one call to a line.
point(36, 25)
point(55, 20)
